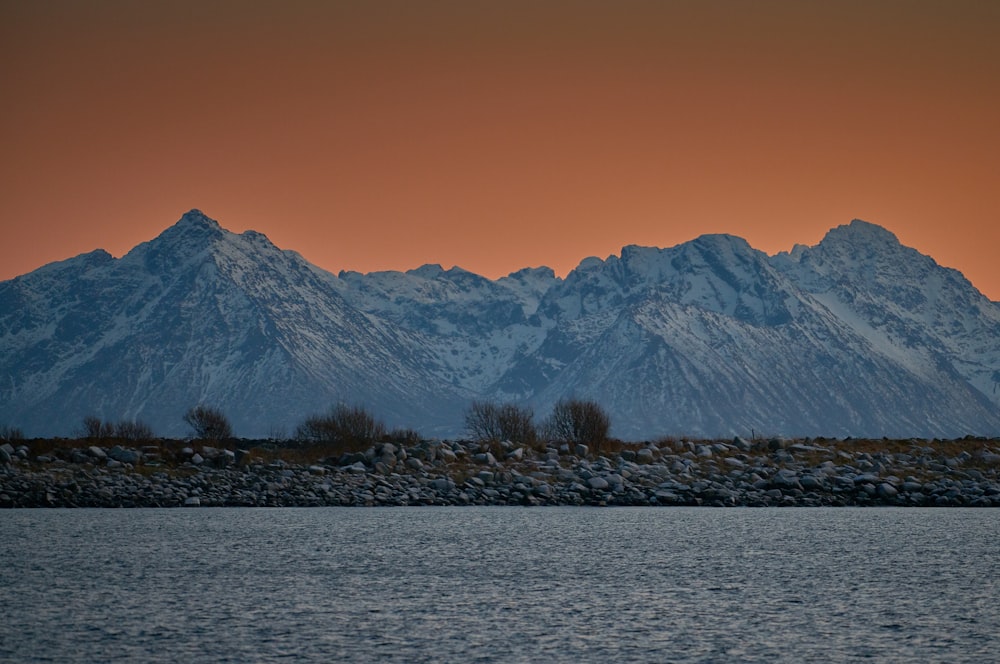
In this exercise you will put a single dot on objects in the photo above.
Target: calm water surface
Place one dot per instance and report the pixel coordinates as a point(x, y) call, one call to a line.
point(500, 585)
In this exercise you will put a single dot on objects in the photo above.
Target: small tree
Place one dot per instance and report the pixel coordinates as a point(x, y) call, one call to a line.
point(208, 423)
point(578, 421)
point(351, 427)
point(489, 422)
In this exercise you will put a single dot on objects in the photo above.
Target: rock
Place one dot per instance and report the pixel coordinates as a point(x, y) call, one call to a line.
point(597, 483)
point(581, 450)
point(442, 484)
point(644, 456)
point(357, 468)
point(485, 457)
point(810, 483)
point(119, 453)
point(886, 490)
point(5, 456)
point(193, 501)
point(197, 459)
point(97, 452)
point(414, 463)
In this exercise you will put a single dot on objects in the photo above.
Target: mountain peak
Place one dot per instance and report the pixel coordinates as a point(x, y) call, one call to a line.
point(195, 218)
point(863, 232)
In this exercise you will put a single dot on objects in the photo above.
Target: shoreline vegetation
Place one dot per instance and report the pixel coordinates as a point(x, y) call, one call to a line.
point(410, 471)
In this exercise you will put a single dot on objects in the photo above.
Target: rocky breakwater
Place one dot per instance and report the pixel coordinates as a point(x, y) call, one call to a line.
point(775, 472)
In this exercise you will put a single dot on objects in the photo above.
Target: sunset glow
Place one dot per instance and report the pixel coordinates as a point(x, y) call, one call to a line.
point(499, 135)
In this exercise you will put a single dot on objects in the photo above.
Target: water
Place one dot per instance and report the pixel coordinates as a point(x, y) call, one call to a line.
point(500, 585)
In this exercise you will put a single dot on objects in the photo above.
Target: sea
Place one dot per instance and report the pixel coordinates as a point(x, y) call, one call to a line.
point(500, 584)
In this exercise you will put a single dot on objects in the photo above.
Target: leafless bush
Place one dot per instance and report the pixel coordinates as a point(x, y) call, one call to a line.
point(208, 423)
point(96, 429)
point(10, 434)
point(403, 436)
point(578, 421)
point(491, 422)
point(133, 431)
point(351, 427)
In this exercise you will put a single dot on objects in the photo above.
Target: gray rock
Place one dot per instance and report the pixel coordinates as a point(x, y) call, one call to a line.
point(886, 490)
point(581, 450)
point(644, 456)
point(866, 478)
point(414, 463)
point(598, 483)
point(810, 483)
point(119, 453)
point(193, 501)
point(485, 457)
point(97, 452)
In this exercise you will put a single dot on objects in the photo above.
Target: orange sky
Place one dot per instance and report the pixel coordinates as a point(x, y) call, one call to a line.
point(497, 135)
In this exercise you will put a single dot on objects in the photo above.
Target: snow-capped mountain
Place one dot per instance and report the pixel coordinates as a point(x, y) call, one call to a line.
point(855, 336)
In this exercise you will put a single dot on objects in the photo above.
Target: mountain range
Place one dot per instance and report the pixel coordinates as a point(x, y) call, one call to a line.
point(856, 336)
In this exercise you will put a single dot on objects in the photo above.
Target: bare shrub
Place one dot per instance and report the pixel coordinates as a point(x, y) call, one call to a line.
point(208, 423)
point(96, 429)
point(404, 436)
point(133, 431)
point(579, 421)
point(10, 434)
point(349, 427)
point(489, 422)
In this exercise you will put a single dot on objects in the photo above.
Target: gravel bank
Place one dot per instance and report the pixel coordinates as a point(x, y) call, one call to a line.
point(817, 472)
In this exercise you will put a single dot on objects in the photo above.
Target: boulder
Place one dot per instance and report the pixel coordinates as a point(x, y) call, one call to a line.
point(886, 490)
point(119, 453)
point(645, 456)
point(598, 483)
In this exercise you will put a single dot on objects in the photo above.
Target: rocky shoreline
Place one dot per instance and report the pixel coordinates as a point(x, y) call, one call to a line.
point(775, 472)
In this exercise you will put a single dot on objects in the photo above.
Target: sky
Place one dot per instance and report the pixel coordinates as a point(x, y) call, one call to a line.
point(385, 134)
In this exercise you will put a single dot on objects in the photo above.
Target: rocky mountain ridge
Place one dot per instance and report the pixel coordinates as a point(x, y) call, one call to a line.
point(857, 336)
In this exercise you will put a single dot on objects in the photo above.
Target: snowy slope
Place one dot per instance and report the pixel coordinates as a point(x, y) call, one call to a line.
point(200, 315)
point(855, 336)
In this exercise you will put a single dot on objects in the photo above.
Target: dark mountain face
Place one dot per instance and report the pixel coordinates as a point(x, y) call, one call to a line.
point(858, 335)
